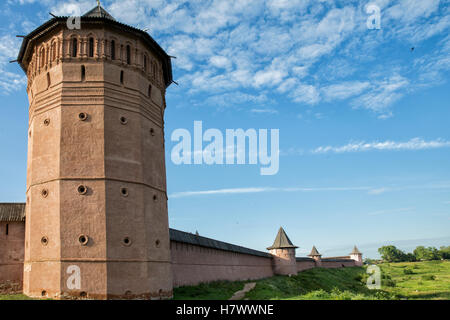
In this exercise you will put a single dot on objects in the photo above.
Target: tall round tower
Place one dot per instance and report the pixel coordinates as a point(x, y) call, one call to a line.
point(96, 220)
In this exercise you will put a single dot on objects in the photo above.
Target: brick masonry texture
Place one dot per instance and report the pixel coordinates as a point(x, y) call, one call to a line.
point(95, 222)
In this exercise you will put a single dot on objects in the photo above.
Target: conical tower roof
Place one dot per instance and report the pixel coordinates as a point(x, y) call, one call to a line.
point(282, 241)
point(98, 12)
point(314, 252)
point(355, 251)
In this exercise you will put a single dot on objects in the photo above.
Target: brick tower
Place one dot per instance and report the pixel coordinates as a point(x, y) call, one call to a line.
point(96, 219)
point(316, 256)
point(283, 252)
point(357, 256)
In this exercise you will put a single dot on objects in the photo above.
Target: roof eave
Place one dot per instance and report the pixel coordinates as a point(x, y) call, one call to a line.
point(50, 24)
point(283, 247)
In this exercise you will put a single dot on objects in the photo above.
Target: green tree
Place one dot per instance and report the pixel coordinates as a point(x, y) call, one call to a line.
point(392, 254)
point(410, 257)
point(430, 253)
point(445, 252)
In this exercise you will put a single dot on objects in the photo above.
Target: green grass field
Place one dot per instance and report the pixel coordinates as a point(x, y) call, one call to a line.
point(415, 280)
point(428, 280)
point(419, 280)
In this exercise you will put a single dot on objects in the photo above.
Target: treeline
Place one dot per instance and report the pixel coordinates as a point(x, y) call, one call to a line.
point(421, 253)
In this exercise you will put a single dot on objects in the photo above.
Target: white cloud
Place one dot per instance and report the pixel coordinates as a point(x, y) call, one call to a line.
point(261, 190)
point(344, 90)
point(413, 144)
point(377, 191)
point(390, 211)
point(264, 111)
point(408, 11)
point(305, 94)
point(220, 62)
point(383, 94)
point(444, 185)
point(9, 49)
point(306, 50)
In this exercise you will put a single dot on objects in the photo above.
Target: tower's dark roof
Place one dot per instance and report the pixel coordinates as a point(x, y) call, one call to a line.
point(12, 212)
point(355, 250)
point(97, 15)
point(282, 241)
point(314, 252)
point(98, 12)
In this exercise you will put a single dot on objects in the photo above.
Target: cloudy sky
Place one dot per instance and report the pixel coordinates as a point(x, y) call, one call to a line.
point(363, 114)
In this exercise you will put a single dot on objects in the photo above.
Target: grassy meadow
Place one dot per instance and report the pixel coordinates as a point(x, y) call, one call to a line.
point(400, 281)
point(421, 280)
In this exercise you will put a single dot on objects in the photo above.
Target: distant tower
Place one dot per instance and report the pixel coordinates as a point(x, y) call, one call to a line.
point(96, 220)
point(316, 256)
point(283, 251)
point(357, 256)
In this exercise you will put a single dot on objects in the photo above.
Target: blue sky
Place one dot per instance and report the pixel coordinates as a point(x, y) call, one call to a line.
point(363, 118)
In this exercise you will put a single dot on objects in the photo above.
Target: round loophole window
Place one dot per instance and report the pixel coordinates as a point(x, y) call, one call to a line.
point(158, 243)
point(46, 122)
point(83, 239)
point(82, 190)
point(126, 241)
point(123, 120)
point(124, 192)
point(43, 293)
point(83, 294)
point(44, 241)
point(152, 132)
point(44, 193)
point(155, 198)
point(83, 116)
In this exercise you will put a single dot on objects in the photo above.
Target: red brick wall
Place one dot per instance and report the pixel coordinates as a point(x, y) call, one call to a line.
point(305, 265)
point(193, 264)
point(333, 264)
point(12, 251)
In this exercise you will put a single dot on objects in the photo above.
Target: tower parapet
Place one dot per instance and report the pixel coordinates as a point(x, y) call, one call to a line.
point(283, 251)
point(96, 220)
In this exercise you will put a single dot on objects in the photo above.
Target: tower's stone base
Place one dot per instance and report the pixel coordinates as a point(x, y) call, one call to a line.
point(98, 280)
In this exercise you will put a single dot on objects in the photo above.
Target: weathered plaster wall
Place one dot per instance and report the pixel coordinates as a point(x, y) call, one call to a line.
point(194, 264)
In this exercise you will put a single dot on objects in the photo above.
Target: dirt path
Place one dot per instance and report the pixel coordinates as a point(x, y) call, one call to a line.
point(241, 294)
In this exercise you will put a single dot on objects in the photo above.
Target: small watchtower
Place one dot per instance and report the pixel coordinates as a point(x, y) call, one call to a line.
point(357, 256)
point(316, 256)
point(283, 252)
